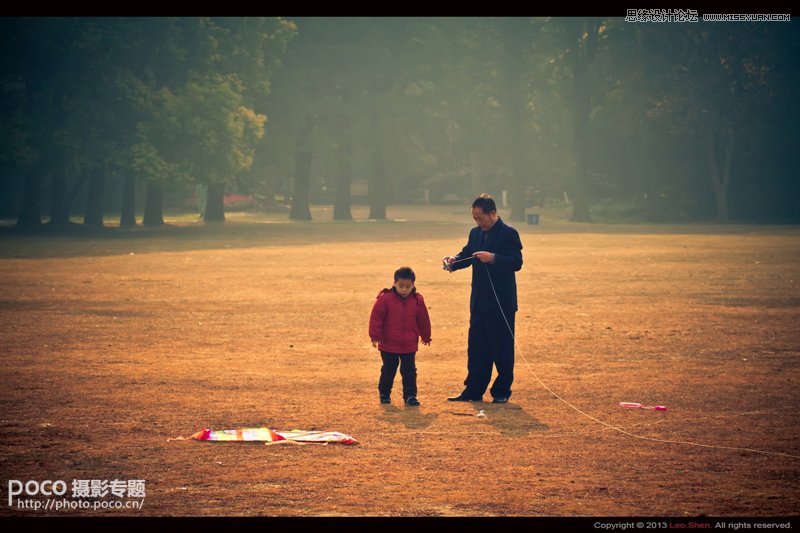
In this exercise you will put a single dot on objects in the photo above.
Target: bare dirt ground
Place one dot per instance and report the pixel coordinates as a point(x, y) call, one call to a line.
point(110, 345)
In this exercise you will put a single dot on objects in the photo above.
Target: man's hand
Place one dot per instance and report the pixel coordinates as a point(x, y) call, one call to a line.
point(428, 343)
point(484, 257)
point(447, 261)
point(374, 344)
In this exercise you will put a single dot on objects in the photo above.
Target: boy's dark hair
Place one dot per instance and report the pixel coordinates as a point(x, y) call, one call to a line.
point(485, 202)
point(405, 273)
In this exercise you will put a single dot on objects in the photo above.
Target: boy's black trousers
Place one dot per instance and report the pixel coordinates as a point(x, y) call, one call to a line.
point(408, 371)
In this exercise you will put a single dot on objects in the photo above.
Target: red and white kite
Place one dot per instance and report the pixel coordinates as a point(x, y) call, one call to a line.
point(269, 435)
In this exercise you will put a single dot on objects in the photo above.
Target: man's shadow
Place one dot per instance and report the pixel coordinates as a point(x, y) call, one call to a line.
point(410, 417)
point(510, 418)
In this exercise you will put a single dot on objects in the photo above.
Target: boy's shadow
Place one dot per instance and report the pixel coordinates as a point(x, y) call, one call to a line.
point(410, 417)
point(510, 418)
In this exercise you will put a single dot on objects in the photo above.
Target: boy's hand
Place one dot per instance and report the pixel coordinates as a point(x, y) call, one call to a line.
point(374, 344)
point(426, 343)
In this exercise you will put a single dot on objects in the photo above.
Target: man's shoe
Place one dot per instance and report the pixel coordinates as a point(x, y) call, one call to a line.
point(412, 400)
point(500, 399)
point(385, 398)
point(462, 398)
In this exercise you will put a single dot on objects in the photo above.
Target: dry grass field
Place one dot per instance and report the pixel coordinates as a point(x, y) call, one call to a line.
point(113, 342)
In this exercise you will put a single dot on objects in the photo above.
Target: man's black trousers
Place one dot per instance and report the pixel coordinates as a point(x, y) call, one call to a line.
point(490, 342)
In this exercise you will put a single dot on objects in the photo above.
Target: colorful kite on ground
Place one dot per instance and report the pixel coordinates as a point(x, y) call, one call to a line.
point(270, 436)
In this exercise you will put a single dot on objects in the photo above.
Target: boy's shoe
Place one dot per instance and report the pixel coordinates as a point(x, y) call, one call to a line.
point(412, 400)
point(385, 398)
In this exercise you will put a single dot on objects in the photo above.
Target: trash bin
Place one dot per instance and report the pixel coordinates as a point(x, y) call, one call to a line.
point(533, 218)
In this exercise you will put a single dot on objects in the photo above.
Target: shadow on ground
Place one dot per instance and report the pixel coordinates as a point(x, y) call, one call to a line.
point(410, 417)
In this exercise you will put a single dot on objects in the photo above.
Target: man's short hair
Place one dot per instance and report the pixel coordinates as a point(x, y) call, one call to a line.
point(485, 202)
point(405, 273)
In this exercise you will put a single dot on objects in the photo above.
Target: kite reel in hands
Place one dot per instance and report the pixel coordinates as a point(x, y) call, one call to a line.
point(448, 262)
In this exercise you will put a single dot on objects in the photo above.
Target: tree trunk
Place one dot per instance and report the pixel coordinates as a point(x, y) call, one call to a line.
point(59, 206)
point(478, 185)
point(721, 194)
point(720, 182)
point(31, 216)
point(582, 54)
point(377, 189)
point(655, 205)
point(517, 165)
point(127, 218)
point(580, 196)
point(447, 161)
point(303, 158)
point(269, 183)
point(93, 216)
point(302, 181)
point(722, 200)
point(76, 188)
point(651, 147)
point(341, 208)
point(154, 205)
point(215, 203)
point(515, 43)
point(342, 202)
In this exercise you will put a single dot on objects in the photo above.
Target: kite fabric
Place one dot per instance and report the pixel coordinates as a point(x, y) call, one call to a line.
point(269, 435)
point(232, 435)
point(298, 435)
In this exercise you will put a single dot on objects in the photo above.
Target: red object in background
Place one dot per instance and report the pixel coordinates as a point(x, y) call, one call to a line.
point(238, 200)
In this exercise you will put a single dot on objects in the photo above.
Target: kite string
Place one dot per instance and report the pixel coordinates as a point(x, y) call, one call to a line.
point(463, 259)
point(610, 426)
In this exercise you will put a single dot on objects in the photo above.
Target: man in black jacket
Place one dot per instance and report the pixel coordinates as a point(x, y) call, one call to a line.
point(494, 252)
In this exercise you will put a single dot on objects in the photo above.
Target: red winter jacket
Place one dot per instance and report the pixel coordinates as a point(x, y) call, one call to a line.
point(397, 323)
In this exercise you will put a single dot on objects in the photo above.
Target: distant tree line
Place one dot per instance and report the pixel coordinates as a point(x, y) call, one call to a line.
point(665, 122)
point(160, 100)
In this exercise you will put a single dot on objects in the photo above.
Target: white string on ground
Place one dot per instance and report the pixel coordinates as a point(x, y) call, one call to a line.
point(610, 426)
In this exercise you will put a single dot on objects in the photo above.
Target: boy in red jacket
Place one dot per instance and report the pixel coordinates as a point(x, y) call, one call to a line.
point(399, 318)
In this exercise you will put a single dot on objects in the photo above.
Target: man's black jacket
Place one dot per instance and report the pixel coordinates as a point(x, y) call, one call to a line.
point(503, 241)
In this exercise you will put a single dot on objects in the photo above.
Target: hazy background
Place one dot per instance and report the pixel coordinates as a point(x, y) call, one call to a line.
point(660, 122)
